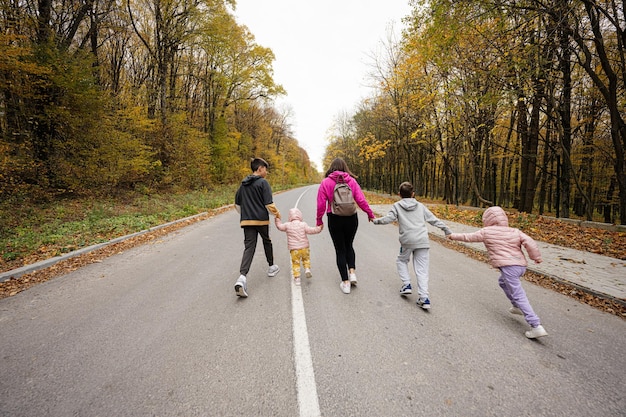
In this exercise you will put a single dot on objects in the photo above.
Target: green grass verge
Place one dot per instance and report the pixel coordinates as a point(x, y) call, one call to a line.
point(30, 232)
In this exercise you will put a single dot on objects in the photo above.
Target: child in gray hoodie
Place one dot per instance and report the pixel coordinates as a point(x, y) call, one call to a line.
point(412, 217)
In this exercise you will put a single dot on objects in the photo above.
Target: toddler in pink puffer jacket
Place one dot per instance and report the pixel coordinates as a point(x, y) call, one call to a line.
point(504, 247)
point(298, 242)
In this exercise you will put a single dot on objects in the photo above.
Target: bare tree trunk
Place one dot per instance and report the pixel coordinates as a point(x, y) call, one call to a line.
point(507, 165)
point(588, 155)
point(524, 168)
point(531, 147)
point(44, 31)
point(607, 82)
point(565, 109)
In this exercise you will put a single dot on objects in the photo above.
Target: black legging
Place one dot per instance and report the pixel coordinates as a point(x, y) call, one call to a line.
point(342, 231)
point(250, 234)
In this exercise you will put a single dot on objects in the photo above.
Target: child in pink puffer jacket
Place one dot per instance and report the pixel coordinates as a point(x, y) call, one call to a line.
point(504, 247)
point(298, 242)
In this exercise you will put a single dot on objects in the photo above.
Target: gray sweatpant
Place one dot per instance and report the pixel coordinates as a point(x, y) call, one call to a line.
point(420, 265)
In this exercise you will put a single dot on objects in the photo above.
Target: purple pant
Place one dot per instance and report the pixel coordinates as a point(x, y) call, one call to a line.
point(510, 283)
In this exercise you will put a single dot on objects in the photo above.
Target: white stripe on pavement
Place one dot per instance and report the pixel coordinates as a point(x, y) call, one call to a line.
point(307, 390)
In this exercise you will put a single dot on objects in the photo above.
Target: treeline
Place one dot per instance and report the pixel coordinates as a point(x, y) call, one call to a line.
point(100, 96)
point(517, 103)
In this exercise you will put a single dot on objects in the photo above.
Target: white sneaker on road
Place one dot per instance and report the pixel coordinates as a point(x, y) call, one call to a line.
point(536, 332)
point(240, 286)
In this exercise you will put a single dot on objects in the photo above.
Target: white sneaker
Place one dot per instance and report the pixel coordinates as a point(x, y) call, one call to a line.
point(240, 286)
point(536, 332)
point(345, 287)
point(352, 278)
point(273, 271)
point(308, 273)
point(296, 281)
point(515, 310)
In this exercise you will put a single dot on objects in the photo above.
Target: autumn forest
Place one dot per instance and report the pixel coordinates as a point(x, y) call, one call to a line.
point(518, 103)
point(100, 95)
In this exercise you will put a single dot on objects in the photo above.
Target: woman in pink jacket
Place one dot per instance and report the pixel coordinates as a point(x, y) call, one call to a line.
point(504, 247)
point(342, 228)
point(298, 242)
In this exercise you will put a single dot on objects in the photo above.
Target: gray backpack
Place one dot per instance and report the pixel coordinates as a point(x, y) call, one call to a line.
point(343, 201)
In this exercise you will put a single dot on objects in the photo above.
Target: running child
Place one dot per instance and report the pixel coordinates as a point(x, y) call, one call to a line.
point(412, 217)
point(504, 247)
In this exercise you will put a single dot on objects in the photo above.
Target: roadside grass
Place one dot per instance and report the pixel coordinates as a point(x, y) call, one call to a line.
point(33, 232)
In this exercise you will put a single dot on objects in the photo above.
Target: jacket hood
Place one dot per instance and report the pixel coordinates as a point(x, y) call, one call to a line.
point(336, 174)
point(495, 216)
point(250, 179)
point(409, 204)
point(295, 214)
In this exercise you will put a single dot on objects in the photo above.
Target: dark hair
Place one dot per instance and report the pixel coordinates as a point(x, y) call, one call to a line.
point(406, 190)
point(338, 164)
point(257, 163)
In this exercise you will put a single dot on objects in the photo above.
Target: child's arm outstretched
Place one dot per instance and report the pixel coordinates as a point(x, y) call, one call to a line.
point(391, 217)
point(531, 247)
point(313, 230)
point(279, 224)
point(477, 236)
point(433, 220)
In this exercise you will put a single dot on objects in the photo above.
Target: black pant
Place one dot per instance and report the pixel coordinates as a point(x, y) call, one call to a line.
point(250, 234)
point(342, 231)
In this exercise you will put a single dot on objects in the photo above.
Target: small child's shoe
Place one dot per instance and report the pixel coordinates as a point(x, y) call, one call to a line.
point(352, 278)
point(536, 332)
point(307, 273)
point(296, 280)
point(406, 289)
point(516, 310)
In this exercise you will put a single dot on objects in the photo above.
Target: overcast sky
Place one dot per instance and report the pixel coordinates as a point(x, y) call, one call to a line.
point(323, 52)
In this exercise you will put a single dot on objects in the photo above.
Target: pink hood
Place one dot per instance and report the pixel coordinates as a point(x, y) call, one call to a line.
point(295, 214)
point(296, 230)
point(325, 195)
point(495, 216)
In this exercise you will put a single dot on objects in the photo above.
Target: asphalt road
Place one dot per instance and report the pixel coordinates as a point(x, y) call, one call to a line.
point(158, 331)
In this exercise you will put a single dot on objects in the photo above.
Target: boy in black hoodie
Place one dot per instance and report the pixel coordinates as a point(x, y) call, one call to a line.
point(254, 202)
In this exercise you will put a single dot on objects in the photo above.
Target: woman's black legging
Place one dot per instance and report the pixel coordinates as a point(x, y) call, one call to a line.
point(342, 231)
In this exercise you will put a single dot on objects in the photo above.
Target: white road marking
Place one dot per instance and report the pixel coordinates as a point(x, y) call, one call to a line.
point(305, 376)
point(307, 390)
